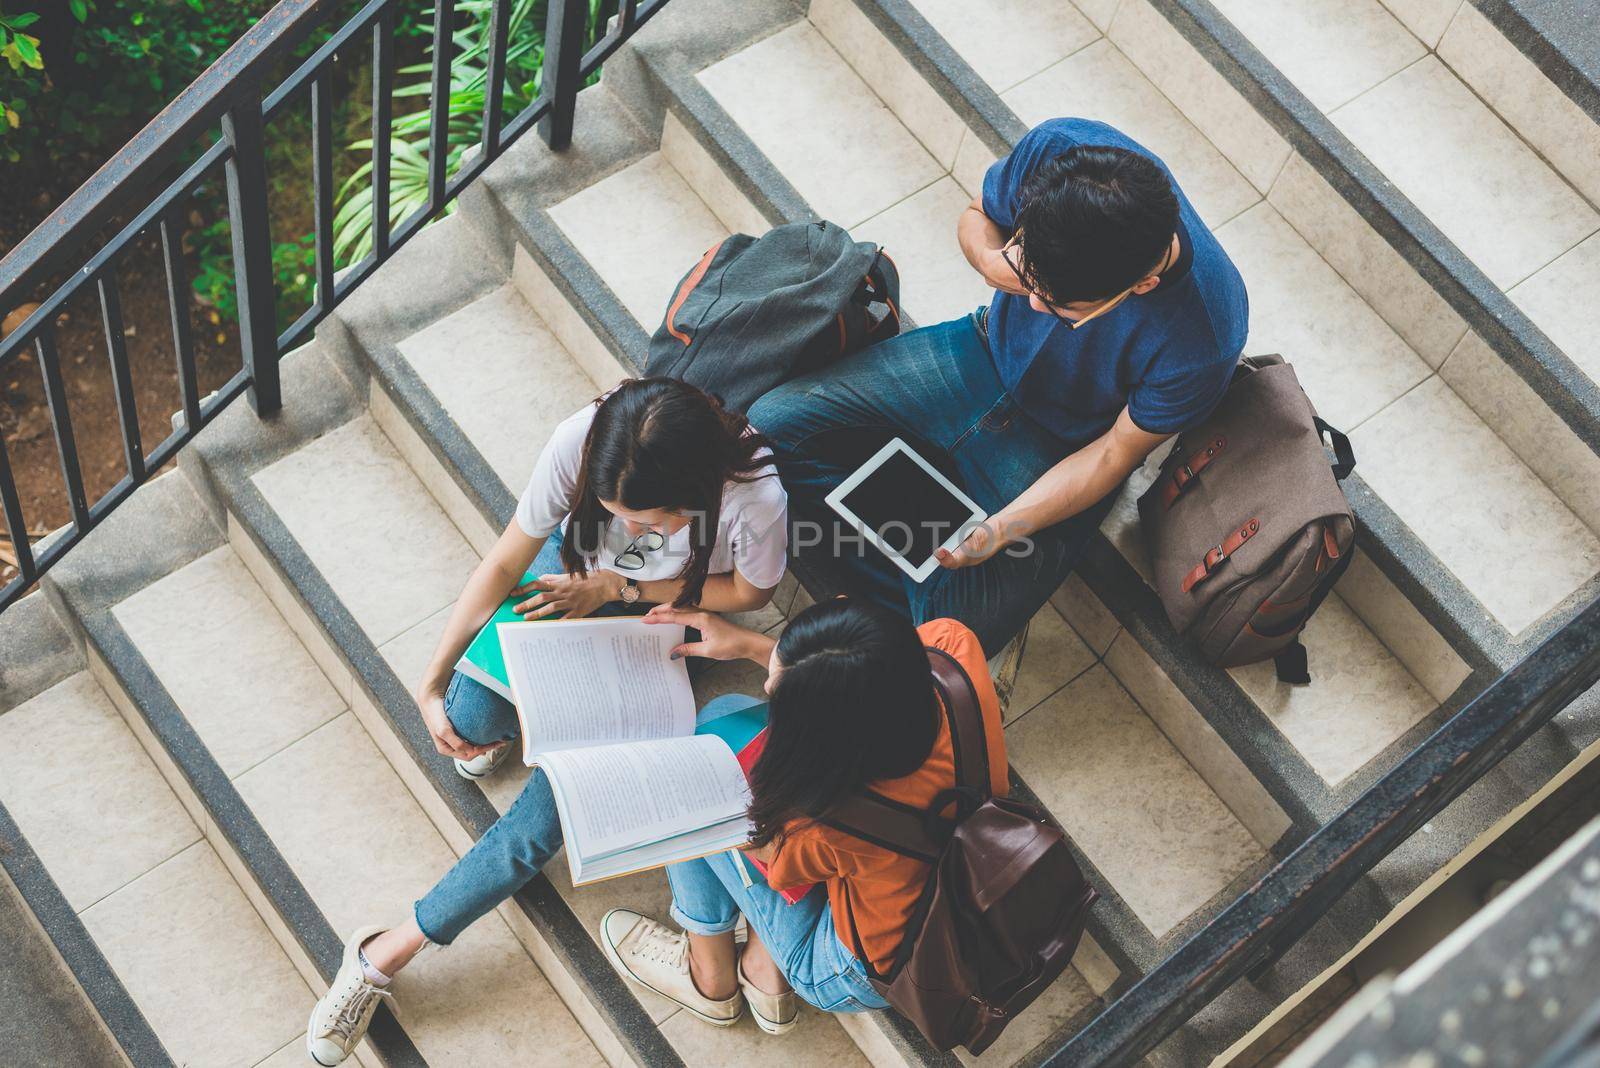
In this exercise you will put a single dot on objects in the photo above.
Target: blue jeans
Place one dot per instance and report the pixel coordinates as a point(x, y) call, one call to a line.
point(937, 387)
point(521, 841)
point(709, 895)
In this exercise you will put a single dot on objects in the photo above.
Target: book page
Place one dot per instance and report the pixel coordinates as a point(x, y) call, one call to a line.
point(588, 682)
point(614, 798)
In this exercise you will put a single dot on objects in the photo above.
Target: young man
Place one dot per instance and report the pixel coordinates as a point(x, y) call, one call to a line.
point(1116, 322)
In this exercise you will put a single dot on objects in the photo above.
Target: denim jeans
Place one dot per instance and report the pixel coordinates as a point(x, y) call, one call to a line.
point(937, 387)
point(708, 897)
point(522, 840)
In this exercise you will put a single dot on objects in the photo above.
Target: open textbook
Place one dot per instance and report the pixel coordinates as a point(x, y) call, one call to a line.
point(611, 720)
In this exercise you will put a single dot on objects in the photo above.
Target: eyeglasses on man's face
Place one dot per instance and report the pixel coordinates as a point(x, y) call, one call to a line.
point(1092, 314)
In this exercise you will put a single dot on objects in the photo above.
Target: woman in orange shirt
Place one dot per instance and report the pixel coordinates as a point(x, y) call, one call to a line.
point(851, 705)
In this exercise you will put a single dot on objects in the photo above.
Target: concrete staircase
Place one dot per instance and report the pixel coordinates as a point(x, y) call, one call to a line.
point(213, 752)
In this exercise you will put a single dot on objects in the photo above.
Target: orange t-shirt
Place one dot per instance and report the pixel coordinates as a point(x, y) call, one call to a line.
point(882, 887)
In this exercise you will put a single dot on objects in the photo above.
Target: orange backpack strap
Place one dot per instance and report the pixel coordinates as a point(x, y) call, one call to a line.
point(1218, 554)
point(1173, 485)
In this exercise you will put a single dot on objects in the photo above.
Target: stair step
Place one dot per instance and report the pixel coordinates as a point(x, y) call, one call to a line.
point(334, 808)
point(1509, 211)
point(130, 860)
point(1547, 298)
point(1080, 750)
point(642, 229)
point(1009, 41)
point(502, 376)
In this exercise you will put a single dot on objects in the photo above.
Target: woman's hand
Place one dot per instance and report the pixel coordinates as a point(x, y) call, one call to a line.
point(719, 639)
point(445, 739)
point(575, 596)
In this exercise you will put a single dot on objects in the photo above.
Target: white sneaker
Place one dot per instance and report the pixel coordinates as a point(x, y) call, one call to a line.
point(774, 1013)
point(657, 957)
point(339, 1021)
point(481, 767)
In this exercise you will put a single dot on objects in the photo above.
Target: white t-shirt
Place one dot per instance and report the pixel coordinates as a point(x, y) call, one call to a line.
point(752, 531)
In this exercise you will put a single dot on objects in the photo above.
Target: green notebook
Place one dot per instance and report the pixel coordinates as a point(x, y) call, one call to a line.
point(484, 660)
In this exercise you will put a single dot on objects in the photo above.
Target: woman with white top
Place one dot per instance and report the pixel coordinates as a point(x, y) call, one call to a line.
point(654, 494)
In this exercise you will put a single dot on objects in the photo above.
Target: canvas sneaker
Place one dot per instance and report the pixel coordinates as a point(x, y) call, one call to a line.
point(657, 957)
point(339, 1021)
point(481, 767)
point(774, 1013)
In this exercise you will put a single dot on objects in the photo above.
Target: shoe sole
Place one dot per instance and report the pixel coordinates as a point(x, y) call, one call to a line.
point(311, 1022)
point(714, 1021)
point(771, 1027)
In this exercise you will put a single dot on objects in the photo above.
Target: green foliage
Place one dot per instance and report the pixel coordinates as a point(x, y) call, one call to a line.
point(469, 75)
point(293, 269)
point(21, 53)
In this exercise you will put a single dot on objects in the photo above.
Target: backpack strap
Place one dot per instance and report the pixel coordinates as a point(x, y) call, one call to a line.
point(906, 829)
point(1218, 555)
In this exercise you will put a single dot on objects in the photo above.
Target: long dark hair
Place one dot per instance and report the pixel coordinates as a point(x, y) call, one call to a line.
point(855, 704)
point(661, 443)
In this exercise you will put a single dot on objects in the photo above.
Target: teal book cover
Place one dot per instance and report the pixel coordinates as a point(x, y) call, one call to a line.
point(484, 660)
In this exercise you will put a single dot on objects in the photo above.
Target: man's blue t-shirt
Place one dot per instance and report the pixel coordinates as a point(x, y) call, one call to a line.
point(1167, 355)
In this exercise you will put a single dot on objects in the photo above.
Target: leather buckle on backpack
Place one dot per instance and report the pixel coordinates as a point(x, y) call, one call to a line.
point(1218, 554)
point(1192, 465)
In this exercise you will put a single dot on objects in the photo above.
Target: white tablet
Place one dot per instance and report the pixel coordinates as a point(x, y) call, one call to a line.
point(902, 505)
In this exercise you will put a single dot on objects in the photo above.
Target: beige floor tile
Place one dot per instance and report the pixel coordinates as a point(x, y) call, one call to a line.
point(816, 1042)
point(709, 181)
point(502, 376)
point(368, 525)
point(1009, 41)
point(729, 676)
point(1086, 614)
point(647, 893)
point(483, 1001)
point(1125, 795)
point(1360, 698)
point(643, 229)
point(1525, 423)
point(409, 653)
point(1548, 299)
point(973, 160)
point(1368, 263)
point(820, 125)
point(919, 233)
point(900, 85)
point(1348, 360)
point(1509, 211)
point(1188, 730)
point(604, 367)
point(1509, 82)
point(1065, 998)
point(1470, 499)
point(1333, 50)
point(1053, 657)
point(1425, 18)
point(309, 798)
point(84, 793)
point(242, 679)
point(1202, 94)
point(1394, 619)
point(1101, 83)
point(1100, 12)
point(292, 1055)
point(200, 964)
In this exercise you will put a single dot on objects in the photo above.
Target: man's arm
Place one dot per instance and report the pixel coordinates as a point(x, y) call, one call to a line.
point(1061, 492)
point(982, 242)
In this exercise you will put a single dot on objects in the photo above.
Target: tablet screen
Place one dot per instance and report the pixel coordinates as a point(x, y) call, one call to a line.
point(910, 510)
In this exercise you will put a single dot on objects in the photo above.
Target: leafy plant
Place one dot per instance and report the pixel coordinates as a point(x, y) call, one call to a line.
point(21, 52)
point(469, 76)
point(293, 271)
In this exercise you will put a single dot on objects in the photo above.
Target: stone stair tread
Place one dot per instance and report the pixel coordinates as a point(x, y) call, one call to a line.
point(1130, 800)
point(502, 376)
point(1099, 82)
point(849, 168)
point(243, 680)
point(1334, 50)
point(128, 859)
point(919, 236)
point(1509, 211)
point(366, 851)
point(988, 38)
point(642, 228)
point(370, 527)
point(1476, 504)
point(1547, 298)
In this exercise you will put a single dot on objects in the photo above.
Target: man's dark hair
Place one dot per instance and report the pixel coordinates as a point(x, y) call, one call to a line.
point(1093, 221)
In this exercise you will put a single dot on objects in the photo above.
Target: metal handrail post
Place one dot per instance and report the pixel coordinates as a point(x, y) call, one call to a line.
point(563, 69)
point(243, 127)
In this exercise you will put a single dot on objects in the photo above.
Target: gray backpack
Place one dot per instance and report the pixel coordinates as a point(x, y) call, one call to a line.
point(757, 311)
point(1247, 527)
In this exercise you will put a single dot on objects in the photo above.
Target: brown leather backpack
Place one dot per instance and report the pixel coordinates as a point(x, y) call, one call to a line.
point(1247, 527)
point(1004, 906)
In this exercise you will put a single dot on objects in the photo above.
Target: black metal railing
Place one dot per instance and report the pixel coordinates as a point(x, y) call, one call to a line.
point(1252, 933)
point(232, 92)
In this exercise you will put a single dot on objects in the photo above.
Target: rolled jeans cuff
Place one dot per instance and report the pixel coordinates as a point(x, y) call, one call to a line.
point(701, 927)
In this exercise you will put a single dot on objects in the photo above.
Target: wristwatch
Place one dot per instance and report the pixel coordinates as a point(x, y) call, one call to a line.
point(630, 591)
